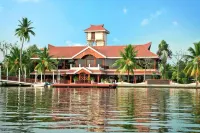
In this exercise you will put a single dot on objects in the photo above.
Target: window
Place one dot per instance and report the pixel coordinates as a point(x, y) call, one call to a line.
point(93, 35)
point(90, 61)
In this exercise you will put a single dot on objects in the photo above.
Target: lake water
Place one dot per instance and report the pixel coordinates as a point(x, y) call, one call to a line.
point(61, 110)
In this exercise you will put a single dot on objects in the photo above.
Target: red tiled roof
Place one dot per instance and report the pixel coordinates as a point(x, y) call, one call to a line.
point(96, 28)
point(108, 51)
point(64, 52)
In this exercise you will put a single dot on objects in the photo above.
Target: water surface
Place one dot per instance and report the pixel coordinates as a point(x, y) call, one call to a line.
point(99, 110)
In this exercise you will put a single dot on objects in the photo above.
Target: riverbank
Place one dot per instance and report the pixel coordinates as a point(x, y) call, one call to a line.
point(117, 85)
point(172, 85)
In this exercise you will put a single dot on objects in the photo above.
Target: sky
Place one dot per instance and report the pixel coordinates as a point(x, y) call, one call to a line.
point(62, 22)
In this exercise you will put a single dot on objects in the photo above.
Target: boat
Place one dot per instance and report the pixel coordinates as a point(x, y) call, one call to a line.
point(38, 84)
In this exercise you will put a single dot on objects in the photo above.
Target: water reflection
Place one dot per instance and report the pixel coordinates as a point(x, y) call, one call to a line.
point(99, 110)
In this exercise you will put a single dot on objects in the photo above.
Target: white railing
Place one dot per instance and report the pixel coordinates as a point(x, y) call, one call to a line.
point(98, 67)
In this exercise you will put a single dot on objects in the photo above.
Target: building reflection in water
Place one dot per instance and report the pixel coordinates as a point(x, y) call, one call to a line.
point(99, 110)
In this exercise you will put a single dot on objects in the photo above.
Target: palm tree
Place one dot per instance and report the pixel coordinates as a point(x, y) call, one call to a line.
point(128, 62)
point(12, 60)
point(193, 65)
point(45, 62)
point(164, 53)
point(23, 32)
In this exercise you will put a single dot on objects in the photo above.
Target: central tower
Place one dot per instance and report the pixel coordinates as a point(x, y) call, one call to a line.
point(96, 35)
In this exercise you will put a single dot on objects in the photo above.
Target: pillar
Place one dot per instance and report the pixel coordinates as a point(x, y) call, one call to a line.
point(41, 78)
point(35, 76)
point(7, 73)
point(134, 79)
point(19, 75)
point(70, 76)
point(98, 77)
point(53, 76)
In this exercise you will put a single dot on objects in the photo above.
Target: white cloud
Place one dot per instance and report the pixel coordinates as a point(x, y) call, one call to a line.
point(28, 0)
point(175, 23)
point(144, 22)
point(151, 17)
point(1, 8)
point(125, 10)
point(115, 40)
point(70, 43)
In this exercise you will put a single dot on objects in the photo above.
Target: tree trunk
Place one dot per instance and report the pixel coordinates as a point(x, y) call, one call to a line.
point(128, 76)
point(196, 80)
point(21, 56)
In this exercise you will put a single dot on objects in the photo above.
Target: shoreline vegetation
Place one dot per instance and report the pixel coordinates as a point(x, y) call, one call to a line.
point(184, 70)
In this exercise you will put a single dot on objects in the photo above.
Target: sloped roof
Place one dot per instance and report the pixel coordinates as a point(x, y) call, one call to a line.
point(109, 51)
point(93, 28)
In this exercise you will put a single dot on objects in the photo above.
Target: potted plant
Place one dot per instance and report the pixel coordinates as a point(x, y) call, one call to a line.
point(92, 80)
point(102, 80)
point(75, 79)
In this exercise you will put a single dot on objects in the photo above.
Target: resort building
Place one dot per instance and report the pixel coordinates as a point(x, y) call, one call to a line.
point(95, 60)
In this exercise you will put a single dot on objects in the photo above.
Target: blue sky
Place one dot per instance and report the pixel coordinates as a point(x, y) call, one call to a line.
point(61, 22)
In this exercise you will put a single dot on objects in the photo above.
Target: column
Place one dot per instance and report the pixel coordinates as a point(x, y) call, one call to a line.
point(41, 78)
point(19, 75)
point(35, 76)
point(7, 73)
point(134, 79)
point(70, 76)
point(53, 76)
point(98, 77)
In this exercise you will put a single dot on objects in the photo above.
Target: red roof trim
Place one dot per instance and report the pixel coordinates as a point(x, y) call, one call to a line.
point(96, 28)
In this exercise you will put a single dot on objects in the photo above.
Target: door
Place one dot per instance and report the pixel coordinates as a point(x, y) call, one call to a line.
point(83, 77)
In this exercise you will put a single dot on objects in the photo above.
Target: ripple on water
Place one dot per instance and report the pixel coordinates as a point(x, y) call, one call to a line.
point(99, 110)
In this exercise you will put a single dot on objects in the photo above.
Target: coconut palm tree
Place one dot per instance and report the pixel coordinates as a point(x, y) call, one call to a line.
point(128, 62)
point(164, 53)
point(12, 60)
point(193, 61)
point(45, 62)
point(23, 32)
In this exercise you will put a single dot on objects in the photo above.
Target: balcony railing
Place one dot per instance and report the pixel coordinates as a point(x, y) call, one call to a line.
point(90, 66)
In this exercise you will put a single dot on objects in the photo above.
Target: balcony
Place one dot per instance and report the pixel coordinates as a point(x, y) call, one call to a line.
point(92, 67)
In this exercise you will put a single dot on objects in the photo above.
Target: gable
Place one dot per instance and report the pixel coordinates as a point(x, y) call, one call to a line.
point(88, 51)
point(83, 70)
